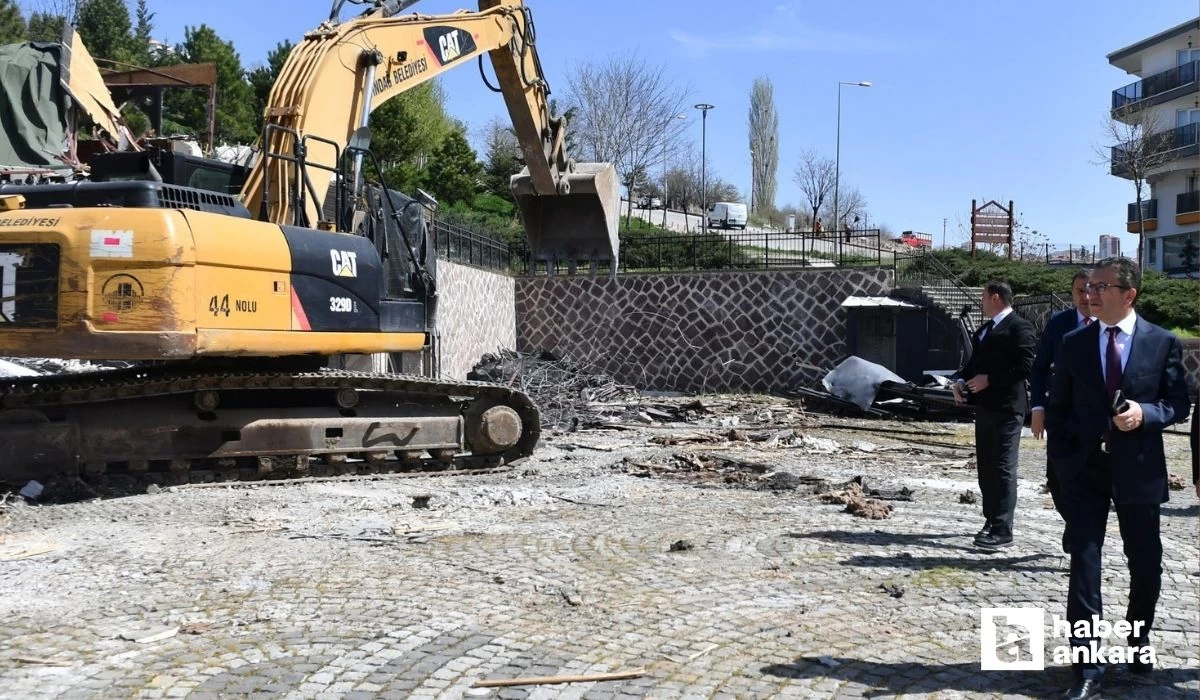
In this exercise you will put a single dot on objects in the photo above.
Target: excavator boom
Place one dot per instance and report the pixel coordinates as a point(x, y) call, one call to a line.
point(341, 72)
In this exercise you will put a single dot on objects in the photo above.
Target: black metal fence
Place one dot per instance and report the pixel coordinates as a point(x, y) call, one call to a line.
point(462, 245)
point(741, 250)
point(1037, 309)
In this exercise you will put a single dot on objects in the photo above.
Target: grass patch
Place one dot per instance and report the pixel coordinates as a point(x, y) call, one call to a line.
point(941, 577)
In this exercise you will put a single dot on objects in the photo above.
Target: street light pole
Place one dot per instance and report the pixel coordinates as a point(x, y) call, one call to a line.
point(703, 107)
point(837, 164)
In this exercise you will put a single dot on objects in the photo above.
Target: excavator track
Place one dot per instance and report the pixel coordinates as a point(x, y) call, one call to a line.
point(127, 428)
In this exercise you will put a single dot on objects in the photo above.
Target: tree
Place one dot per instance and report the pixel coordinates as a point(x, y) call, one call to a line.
point(815, 177)
point(262, 78)
point(45, 27)
point(142, 35)
point(453, 174)
point(501, 158)
point(12, 24)
point(406, 131)
point(570, 137)
point(47, 18)
point(628, 113)
point(104, 27)
point(1140, 145)
point(854, 209)
point(764, 145)
point(235, 99)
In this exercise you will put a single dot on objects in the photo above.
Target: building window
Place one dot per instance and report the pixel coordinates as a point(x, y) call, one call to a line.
point(1187, 56)
point(1183, 117)
point(1180, 253)
point(1152, 251)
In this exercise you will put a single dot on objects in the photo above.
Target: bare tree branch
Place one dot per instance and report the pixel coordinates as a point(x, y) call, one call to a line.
point(815, 177)
point(854, 208)
point(1138, 145)
point(627, 113)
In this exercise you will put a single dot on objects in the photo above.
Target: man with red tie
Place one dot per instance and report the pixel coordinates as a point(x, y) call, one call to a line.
point(1123, 384)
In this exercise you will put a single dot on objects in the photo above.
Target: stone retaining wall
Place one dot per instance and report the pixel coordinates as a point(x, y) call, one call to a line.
point(700, 331)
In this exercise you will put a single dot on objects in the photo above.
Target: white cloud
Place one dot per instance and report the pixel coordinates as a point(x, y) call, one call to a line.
point(782, 30)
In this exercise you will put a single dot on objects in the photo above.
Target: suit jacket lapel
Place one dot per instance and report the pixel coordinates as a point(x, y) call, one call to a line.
point(1142, 334)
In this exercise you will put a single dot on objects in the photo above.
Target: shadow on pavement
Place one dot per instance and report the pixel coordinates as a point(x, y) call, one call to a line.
point(884, 538)
point(883, 678)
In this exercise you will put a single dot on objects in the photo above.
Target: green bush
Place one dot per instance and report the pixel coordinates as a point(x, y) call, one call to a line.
point(645, 246)
point(1170, 302)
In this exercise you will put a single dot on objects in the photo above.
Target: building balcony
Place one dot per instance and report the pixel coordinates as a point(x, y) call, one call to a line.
point(1149, 216)
point(1156, 89)
point(1187, 208)
point(1156, 150)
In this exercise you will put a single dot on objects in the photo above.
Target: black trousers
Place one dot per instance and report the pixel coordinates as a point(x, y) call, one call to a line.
point(997, 442)
point(1086, 501)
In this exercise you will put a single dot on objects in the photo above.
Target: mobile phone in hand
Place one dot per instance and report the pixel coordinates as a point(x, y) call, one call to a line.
point(1119, 404)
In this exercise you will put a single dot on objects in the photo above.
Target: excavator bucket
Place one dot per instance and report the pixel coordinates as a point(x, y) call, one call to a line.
point(577, 227)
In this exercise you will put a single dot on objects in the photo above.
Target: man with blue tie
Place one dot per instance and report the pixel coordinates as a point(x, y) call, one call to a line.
point(1108, 407)
point(1047, 357)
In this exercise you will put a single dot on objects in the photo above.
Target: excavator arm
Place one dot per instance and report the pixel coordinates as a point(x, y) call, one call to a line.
point(341, 72)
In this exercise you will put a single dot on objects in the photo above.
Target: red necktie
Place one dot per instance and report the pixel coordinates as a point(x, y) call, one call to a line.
point(1112, 363)
point(1087, 321)
point(1112, 373)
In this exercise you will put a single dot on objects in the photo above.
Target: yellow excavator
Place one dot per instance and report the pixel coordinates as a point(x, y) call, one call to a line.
point(228, 290)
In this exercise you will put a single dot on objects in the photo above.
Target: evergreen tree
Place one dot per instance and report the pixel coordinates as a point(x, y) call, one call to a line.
point(235, 99)
point(453, 174)
point(12, 24)
point(406, 131)
point(500, 159)
point(105, 29)
point(45, 27)
point(143, 53)
point(262, 78)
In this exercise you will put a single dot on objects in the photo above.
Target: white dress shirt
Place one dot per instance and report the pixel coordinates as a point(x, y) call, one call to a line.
point(995, 321)
point(1124, 342)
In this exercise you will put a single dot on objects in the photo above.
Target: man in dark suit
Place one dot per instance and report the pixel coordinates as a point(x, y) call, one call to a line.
point(1104, 454)
point(1039, 378)
point(993, 380)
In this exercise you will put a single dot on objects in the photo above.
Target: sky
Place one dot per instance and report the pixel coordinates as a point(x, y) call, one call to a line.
point(983, 100)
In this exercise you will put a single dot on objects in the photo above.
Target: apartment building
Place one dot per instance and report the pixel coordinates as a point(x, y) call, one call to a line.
point(1166, 97)
point(1110, 247)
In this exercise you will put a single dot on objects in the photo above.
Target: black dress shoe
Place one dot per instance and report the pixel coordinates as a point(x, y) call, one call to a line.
point(1082, 690)
point(994, 541)
point(1135, 663)
point(987, 530)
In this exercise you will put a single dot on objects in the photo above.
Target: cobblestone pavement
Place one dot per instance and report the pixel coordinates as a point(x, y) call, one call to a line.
point(564, 566)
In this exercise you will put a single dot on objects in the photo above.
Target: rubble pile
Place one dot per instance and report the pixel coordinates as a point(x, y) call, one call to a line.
point(566, 393)
point(857, 503)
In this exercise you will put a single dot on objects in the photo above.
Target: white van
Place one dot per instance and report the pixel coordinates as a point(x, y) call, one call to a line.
point(727, 215)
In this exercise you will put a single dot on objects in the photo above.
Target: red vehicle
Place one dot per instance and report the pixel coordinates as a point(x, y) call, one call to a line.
point(917, 240)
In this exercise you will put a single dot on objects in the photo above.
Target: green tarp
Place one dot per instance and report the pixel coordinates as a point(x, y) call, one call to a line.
point(33, 107)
